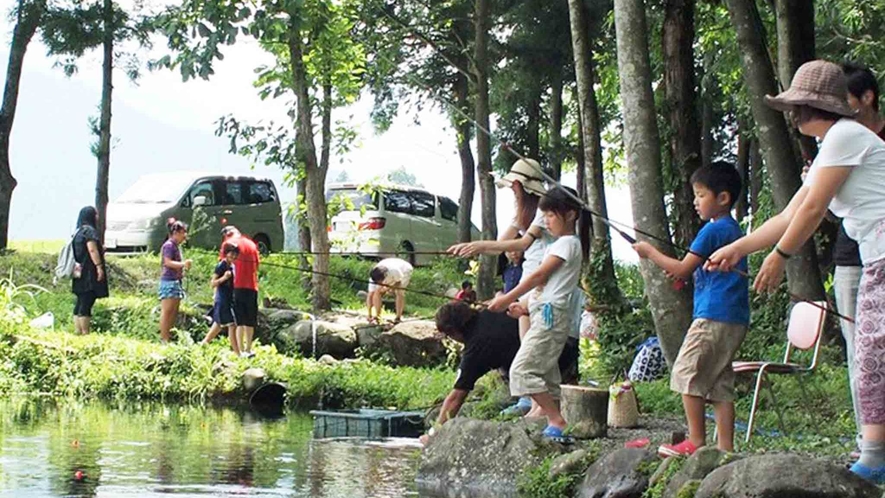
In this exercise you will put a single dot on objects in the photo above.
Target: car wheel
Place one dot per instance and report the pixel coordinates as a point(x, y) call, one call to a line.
point(263, 244)
point(408, 252)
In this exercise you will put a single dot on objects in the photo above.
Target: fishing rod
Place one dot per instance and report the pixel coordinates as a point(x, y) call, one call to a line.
point(583, 205)
point(362, 253)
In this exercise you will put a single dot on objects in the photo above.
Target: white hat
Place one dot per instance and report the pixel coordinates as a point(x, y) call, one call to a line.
point(528, 173)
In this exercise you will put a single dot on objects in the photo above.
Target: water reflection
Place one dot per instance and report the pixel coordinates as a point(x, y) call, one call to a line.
point(92, 449)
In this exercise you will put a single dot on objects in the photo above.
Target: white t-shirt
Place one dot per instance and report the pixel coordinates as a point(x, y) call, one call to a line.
point(399, 273)
point(562, 283)
point(860, 201)
point(535, 253)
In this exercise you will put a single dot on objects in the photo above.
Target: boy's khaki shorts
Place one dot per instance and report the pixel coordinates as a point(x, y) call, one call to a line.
point(703, 367)
point(535, 369)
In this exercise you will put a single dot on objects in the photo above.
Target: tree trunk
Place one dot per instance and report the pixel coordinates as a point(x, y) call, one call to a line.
point(742, 206)
point(783, 166)
point(28, 17)
point(303, 232)
point(756, 179)
point(533, 124)
point(488, 264)
point(315, 175)
point(677, 37)
point(104, 138)
point(464, 128)
point(556, 126)
point(601, 277)
point(586, 411)
point(670, 309)
point(708, 143)
point(795, 46)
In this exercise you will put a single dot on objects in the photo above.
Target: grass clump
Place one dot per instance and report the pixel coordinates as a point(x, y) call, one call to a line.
point(540, 482)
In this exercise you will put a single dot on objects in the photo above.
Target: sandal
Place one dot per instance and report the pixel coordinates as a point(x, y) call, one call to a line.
point(555, 434)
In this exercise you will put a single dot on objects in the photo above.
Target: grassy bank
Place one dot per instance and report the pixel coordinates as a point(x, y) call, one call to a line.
point(132, 308)
point(109, 367)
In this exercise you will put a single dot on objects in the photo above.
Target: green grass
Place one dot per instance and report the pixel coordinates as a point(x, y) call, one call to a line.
point(121, 368)
point(821, 424)
point(40, 246)
point(134, 279)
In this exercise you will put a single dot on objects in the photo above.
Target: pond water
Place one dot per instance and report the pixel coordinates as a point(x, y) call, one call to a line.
point(69, 448)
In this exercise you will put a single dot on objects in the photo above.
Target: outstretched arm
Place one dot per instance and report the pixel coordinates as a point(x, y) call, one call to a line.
point(681, 269)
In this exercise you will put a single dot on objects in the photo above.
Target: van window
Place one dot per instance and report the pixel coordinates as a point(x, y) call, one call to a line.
point(448, 209)
point(355, 197)
point(423, 204)
point(232, 191)
point(396, 201)
point(260, 192)
point(201, 189)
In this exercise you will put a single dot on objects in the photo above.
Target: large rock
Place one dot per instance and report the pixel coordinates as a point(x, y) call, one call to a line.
point(414, 344)
point(620, 474)
point(332, 339)
point(279, 319)
point(696, 468)
point(479, 458)
point(784, 476)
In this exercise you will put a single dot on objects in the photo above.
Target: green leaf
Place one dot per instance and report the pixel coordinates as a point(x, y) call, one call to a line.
point(203, 30)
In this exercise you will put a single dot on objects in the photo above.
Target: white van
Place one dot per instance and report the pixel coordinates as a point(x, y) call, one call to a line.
point(392, 220)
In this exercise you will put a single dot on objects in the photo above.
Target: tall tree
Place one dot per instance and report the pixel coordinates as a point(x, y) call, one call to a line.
point(28, 16)
point(671, 309)
point(795, 46)
point(482, 21)
point(677, 39)
point(781, 162)
point(319, 61)
point(69, 31)
point(602, 281)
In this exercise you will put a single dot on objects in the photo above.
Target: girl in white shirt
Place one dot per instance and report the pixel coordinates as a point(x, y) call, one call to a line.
point(535, 369)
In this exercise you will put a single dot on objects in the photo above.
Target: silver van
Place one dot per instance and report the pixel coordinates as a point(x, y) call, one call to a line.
point(392, 220)
point(136, 221)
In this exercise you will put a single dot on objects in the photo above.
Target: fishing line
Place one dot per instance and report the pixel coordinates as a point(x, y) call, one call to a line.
point(608, 221)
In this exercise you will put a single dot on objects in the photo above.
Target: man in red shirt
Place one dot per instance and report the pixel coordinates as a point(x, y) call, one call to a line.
point(245, 287)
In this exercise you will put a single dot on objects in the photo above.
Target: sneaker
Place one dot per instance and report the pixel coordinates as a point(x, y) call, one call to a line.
point(874, 475)
point(685, 448)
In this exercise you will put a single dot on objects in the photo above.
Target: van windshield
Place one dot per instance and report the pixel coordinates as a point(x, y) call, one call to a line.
point(155, 189)
point(351, 198)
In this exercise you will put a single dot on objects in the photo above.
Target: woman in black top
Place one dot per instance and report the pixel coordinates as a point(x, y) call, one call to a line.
point(91, 283)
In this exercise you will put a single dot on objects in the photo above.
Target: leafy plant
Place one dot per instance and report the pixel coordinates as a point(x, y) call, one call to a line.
point(12, 309)
point(537, 483)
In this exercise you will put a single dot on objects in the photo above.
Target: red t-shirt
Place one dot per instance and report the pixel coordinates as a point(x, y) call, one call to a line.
point(246, 265)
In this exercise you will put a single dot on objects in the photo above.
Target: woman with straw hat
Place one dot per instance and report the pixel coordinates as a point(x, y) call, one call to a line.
point(848, 177)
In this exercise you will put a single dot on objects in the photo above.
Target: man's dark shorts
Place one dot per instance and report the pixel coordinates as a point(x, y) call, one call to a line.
point(246, 307)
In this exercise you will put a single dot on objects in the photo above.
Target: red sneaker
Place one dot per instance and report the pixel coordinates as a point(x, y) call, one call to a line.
point(685, 448)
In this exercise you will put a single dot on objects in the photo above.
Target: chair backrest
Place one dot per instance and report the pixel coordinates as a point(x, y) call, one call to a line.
point(805, 329)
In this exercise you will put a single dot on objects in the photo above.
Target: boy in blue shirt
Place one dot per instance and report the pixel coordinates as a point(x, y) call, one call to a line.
point(702, 370)
point(223, 309)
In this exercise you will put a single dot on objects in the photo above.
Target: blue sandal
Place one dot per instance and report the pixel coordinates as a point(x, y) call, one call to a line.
point(874, 475)
point(555, 434)
point(519, 409)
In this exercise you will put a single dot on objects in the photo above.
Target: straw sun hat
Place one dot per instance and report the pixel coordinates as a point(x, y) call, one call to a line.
point(528, 173)
point(819, 84)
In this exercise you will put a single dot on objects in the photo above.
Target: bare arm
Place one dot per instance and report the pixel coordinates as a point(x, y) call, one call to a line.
point(538, 278)
point(452, 405)
point(468, 249)
point(677, 268)
point(95, 256)
point(813, 208)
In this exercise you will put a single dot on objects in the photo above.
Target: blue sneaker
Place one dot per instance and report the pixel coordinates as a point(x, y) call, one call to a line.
point(519, 409)
point(555, 434)
point(876, 475)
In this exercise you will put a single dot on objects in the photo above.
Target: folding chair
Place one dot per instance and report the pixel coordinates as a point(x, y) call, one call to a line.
point(803, 332)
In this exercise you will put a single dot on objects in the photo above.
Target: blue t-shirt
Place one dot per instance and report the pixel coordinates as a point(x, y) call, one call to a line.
point(720, 296)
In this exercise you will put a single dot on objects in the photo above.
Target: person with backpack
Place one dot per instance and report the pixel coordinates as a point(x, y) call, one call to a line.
point(88, 277)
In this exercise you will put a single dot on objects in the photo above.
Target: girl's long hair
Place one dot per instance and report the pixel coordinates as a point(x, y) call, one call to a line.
point(560, 202)
point(88, 217)
point(526, 207)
